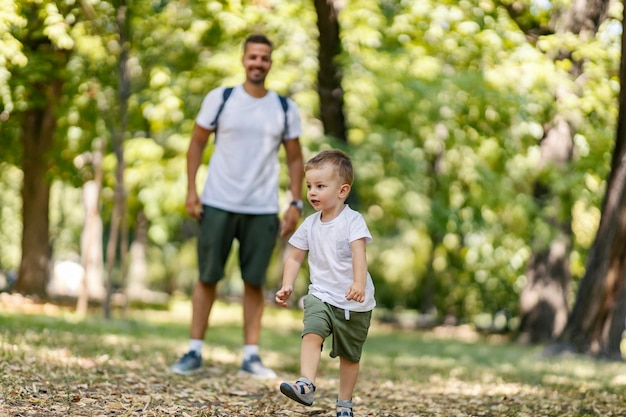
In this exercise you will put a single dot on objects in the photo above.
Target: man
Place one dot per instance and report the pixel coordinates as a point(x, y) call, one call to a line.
point(240, 196)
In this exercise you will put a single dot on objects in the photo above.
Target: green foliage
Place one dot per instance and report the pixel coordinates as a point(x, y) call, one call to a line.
point(447, 147)
point(446, 104)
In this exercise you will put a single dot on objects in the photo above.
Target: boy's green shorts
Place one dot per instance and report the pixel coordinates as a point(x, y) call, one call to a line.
point(324, 319)
point(256, 234)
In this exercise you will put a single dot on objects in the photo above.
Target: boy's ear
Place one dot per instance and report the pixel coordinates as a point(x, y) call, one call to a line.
point(344, 190)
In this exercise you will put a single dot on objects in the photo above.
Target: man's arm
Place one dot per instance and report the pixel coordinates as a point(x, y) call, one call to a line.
point(199, 139)
point(295, 167)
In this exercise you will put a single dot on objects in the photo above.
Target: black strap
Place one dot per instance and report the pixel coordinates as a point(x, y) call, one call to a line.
point(285, 106)
point(226, 94)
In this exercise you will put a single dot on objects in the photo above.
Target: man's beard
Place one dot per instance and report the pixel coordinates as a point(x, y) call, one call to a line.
point(255, 81)
point(260, 79)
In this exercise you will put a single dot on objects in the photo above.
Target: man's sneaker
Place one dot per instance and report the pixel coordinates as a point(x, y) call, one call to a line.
point(188, 364)
point(302, 391)
point(344, 408)
point(254, 367)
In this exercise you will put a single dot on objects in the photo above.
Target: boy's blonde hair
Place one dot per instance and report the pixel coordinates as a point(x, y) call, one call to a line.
point(338, 159)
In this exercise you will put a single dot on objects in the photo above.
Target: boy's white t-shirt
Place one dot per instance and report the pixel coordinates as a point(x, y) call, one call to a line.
point(244, 168)
point(330, 257)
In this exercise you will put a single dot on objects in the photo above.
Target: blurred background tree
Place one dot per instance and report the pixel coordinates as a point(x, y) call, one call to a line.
point(447, 108)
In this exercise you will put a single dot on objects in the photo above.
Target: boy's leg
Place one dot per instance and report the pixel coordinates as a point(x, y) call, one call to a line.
point(303, 390)
point(310, 355)
point(348, 339)
point(348, 374)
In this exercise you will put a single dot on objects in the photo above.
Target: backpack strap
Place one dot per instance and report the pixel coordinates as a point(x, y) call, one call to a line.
point(225, 94)
point(285, 106)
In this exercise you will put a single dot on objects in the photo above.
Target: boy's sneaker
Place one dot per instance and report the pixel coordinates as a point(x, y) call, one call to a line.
point(255, 368)
point(302, 391)
point(344, 408)
point(188, 364)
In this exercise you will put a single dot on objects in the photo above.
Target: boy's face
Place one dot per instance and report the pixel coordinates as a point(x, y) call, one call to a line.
point(325, 188)
point(257, 61)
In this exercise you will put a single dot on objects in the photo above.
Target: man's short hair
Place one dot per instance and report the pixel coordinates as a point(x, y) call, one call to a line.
point(257, 38)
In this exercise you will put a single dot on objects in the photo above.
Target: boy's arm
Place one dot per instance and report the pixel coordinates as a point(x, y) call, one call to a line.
point(356, 291)
point(293, 261)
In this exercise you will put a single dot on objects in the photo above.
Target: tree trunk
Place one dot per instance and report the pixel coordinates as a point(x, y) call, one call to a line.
point(329, 75)
point(39, 126)
point(596, 323)
point(543, 302)
point(91, 249)
point(91, 238)
point(138, 262)
point(119, 130)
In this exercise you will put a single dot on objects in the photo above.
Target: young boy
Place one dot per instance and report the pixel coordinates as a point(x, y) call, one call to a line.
point(341, 294)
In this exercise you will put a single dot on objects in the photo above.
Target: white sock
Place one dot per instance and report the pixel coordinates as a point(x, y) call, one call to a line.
point(249, 350)
point(195, 345)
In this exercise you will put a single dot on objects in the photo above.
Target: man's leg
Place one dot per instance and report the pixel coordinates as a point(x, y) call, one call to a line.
point(202, 302)
point(217, 230)
point(257, 238)
point(253, 304)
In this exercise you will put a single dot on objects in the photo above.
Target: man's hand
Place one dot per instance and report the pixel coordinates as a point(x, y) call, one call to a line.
point(283, 294)
point(290, 221)
point(193, 206)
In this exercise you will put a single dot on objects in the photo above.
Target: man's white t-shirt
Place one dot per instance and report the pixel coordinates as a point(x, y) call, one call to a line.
point(244, 168)
point(330, 257)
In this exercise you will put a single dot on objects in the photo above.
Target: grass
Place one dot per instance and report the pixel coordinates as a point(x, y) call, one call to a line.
point(53, 364)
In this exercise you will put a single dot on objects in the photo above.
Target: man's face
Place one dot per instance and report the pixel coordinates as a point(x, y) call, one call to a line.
point(257, 61)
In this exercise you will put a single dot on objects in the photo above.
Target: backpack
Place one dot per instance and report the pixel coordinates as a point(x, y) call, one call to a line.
point(226, 95)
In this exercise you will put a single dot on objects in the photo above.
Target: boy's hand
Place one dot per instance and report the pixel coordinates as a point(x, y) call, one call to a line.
point(283, 294)
point(356, 292)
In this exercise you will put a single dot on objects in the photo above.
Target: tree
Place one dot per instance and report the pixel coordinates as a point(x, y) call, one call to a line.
point(446, 101)
point(329, 73)
point(596, 323)
point(118, 226)
point(48, 48)
point(544, 299)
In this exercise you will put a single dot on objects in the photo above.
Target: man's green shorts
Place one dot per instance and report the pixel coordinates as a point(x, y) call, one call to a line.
point(349, 335)
point(256, 234)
